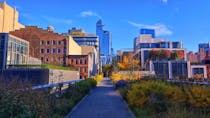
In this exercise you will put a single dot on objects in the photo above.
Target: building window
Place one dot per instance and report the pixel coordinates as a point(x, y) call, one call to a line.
point(53, 51)
point(41, 42)
point(85, 61)
point(42, 59)
point(42, 51)
point(85, 70)
point(59, 51)
point(48, 51)
point(64, 50)
point(48, 42)
point(59, 42)
point(47, 60)
point(80, 61)
point(76, 61)
point(72, 61)
point(53, 42)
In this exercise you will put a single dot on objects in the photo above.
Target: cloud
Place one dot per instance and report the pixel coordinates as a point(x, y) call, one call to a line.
point(160, 29)
point(164, 1)
point(89, 13)
point(57, 20)
point(27, 16)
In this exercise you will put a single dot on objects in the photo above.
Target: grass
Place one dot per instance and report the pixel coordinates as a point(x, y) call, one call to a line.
point(49, 66)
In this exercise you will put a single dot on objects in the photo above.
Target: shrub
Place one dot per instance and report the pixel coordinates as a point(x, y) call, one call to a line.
point(198, 96)
point(160, 99)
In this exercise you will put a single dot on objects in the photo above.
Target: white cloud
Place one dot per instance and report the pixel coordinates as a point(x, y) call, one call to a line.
point(165, 1)
point(160, 29)
point(89, 13)
point(57, 20)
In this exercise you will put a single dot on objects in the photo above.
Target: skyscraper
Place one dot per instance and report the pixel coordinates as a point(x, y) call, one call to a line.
point(105, 40)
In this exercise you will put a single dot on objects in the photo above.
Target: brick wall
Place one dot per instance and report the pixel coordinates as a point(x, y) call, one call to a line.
point(46, 45)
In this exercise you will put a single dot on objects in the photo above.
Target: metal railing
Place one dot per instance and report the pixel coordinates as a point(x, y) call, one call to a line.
point(60, 84)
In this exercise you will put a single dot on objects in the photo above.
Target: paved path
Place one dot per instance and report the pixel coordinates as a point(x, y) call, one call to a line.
point(102, 102)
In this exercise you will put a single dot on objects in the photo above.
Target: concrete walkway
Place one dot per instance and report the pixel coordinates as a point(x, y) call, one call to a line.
point(102, 102)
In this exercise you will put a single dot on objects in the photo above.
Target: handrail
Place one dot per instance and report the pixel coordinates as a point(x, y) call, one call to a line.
point(55, 84)
point(188, 82)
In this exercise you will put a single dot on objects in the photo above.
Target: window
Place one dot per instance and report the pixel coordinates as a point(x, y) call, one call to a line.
point(85, 61)
point(42, 59)
point(48, 42)
point(59, 51)
point(64, 50)
point(53, 42)
point(47, 60)
point(80, 61)
point(53, 51)
point(85, 69)
point(72, 61)
point(48, 51)
point(41, 42)
point(42, 51)
point(76, 61)
point(59, 42)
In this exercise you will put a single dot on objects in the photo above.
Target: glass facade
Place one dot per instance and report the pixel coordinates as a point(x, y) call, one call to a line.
point(89, 41)
point(105, 39)
point(14, 51)
point(161, 69)
point(205, 46)
point(148, 31)
point(176, 45)
point(17, 51)
point(179, 69)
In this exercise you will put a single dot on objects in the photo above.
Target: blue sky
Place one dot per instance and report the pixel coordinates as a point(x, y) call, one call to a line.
point(177, 20)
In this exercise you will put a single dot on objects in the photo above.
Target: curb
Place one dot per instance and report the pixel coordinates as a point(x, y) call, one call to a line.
point(77, 105)
point(129, 110)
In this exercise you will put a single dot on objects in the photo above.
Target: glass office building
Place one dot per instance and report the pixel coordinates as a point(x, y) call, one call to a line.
point(205, 46)
point(13, 50)
point(148, 31)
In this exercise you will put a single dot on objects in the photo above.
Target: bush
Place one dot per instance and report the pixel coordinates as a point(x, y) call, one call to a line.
point(158, 98)
point(17, 101)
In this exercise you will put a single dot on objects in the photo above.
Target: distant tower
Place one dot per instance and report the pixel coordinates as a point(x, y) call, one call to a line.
point(50, 28)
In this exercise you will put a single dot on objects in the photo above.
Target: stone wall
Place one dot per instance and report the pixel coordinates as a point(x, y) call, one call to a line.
point(39, 76)
point(56, 76)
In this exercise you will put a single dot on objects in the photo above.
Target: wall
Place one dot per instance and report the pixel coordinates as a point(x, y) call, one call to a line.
point(39, 76)
point(56, 76)
point(10, 18)
point(73, 48)
point(35, 76)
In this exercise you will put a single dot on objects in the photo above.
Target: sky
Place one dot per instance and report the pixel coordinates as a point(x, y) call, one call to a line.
point(176, 20)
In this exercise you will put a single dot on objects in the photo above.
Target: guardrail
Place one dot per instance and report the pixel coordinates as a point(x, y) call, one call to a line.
point(188, 82)
point(60, 84)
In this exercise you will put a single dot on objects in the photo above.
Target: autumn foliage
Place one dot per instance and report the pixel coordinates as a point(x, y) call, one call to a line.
point(166, 54)
point(128, 62)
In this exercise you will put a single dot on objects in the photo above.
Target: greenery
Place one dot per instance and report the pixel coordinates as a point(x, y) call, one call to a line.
point(49, 66)
point(160, 99)
point(19, 102)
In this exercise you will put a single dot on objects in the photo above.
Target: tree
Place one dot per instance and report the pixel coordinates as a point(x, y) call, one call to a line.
point(180, 54)
point(129, 63)
point(166, 54)
point(174, 55)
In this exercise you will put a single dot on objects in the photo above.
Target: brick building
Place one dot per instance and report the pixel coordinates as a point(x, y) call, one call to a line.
point(192, 57)
point(83, 63)
point(46, 45)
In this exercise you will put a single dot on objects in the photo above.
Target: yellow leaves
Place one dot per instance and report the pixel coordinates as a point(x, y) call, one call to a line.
point(198, 96)
point(136, 97)
point(141, 94)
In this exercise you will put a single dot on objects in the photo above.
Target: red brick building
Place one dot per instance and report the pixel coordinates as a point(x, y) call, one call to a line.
point(45, 45)
point(80, 62)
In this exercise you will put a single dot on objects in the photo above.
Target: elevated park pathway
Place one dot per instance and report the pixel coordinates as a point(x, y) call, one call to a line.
point(102, 102)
